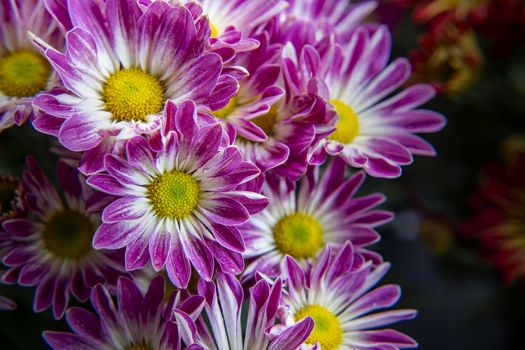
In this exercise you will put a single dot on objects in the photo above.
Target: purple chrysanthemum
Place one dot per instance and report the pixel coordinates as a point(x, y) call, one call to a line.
point(300, 221)
point(121, 64)
point(258, 92)
point(280, 138)
point(233, 21)
point(374, 131)
point(222, 327)
point(24, 73)
point(179, 203)
point(51, 246)
point(308, 21)
point(140, 321)
point(335, 292)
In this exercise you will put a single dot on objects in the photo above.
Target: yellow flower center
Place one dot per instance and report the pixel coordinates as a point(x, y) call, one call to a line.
point(225, 112)
point(174, 195)
point(327, 330)
point(23, 73)
point(132, 95)
point(267, 121)
point(214, 30)
point(347, 127)
point(68, 235)
point(298, 235)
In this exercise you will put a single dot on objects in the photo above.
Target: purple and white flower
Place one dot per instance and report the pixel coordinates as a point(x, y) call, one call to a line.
point(178, 203)
point(375, 131)
point(336, 293)
point(24, 73)
point(120, 66)
point(233, 22)
point(139, 321)
point(309, 21)
point(303, 218)
point(222, 327)
point(50, 247)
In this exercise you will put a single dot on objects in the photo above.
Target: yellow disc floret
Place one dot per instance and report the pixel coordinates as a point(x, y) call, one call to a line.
point(225, 112)
point(214, 31)
point(23, 73)
point(68, 235)
point(348, 124)
point(267, 121)
point(133, 94)
point(299, 235)
point(327, 330)
point(174, 195)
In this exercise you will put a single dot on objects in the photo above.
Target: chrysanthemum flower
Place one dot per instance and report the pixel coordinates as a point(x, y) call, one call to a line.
point(179, 204)
point(308, 21)
point(335, 293)
point(256, 117)
point(499, 220)
point(257, 93)
point(139, 321)
point(300, 222)
point(374, 131)
point(24, 73)
point(233, 21)
point(448, 57)
point(51, 247)
point(120, 67)
point(290, 126)
point(222, 327)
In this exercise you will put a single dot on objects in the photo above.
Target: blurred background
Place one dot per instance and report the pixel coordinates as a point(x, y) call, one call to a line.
point(457, 245)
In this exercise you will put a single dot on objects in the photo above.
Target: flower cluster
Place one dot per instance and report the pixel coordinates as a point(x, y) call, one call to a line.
point(449, 54)
point(211, 155)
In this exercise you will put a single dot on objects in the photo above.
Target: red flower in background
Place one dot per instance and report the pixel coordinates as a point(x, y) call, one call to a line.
point(499, 222)
point(448, 56)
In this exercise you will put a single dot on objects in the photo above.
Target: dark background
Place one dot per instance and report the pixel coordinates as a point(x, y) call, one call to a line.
point(462, 301)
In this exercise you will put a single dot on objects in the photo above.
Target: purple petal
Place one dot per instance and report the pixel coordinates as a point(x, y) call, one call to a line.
point(178, 266)
point(225, 211)
point(67, 341)
point(293, 337)
point(123, 209)
point(117, 235)
point(159, 248)
point(80, 133)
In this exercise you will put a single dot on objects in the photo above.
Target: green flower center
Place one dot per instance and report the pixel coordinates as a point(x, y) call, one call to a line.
point(132, 95)
point(327, 330)
point(298, 235)
point(174, 195)
point(23, 73)
point(347, 127)
point(68, 235)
